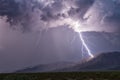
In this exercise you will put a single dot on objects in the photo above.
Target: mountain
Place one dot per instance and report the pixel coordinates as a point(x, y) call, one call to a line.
point(102, 62)
point(46, 67)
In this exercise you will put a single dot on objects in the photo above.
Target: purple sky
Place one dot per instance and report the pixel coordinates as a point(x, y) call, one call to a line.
point(45, 33)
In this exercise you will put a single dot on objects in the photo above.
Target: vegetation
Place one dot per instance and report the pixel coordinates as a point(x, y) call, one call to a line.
point(63, 76)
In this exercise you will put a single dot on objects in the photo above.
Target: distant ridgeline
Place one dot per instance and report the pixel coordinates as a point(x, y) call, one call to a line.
point(102, 62)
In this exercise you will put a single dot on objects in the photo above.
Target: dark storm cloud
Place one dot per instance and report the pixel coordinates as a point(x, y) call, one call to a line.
point(17, 12)
point(21, 11)
point(84, 6)
point(104, 13)
point(9, 8)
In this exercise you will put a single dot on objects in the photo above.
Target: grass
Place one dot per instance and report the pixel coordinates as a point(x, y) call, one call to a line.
point(62, 76)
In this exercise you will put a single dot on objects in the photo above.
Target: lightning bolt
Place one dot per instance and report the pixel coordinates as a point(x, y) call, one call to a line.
point(77, 25)
point(85, 45)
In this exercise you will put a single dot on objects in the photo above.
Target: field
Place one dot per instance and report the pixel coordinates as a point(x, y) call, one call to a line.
point(63, 76)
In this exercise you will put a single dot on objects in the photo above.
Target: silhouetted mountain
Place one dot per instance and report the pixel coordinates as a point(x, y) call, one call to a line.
point(104, 61)
point(46, 67)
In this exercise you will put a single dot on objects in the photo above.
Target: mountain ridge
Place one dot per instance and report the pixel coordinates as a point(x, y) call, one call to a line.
point(102, 62)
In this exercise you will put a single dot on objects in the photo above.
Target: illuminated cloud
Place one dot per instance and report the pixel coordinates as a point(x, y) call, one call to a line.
point(94, 15)
point(43, 13)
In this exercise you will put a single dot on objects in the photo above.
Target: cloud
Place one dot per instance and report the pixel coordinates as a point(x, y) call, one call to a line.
point(104, 15)
point(96, 15)
point(43, 12)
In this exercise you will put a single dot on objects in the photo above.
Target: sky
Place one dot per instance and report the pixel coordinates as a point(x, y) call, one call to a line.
point(42, 31)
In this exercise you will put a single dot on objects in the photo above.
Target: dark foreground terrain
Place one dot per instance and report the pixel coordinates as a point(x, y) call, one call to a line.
point(63, 76)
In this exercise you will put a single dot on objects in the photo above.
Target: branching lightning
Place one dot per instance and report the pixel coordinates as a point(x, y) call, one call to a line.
point(85, 45)
point(77, 25)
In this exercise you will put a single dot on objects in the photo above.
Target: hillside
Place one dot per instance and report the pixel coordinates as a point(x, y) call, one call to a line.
point(102, 62)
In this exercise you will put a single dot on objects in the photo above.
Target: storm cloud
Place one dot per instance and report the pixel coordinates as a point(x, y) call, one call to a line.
point(46, 21)
point(43, 13)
